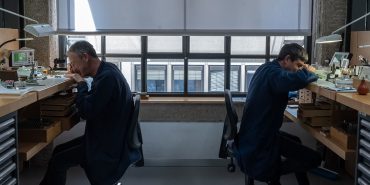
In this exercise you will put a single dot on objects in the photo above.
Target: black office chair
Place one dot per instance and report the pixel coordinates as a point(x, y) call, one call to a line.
point(229, 134)
point(133, 132)
point(135, 140)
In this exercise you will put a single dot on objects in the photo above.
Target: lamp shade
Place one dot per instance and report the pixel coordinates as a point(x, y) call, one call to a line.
point(39, 30)
point(329, 39)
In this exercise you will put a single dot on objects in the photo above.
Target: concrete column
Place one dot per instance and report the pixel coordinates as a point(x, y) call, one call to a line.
point(46, 48)
point(328, 15)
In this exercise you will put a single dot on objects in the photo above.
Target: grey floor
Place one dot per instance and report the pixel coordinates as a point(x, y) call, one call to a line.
point(159, 175)
point(174, 158)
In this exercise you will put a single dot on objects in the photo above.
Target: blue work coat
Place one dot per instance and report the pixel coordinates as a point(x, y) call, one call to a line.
point(257, 145)
point(107, 108)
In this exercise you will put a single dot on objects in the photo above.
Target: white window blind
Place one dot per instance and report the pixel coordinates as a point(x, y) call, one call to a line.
point(265, 17)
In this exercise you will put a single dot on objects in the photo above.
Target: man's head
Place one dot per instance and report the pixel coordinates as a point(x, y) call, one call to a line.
point(81, 54)
point(292, 57)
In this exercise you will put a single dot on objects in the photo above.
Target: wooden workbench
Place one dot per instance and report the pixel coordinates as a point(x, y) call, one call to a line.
point(361, 103)
point(11, 103)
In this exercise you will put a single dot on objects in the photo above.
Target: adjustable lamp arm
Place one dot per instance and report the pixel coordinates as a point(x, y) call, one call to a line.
point(354, 21)
point(13, 13)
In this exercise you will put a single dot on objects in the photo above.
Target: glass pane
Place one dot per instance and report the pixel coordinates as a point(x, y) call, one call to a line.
point(94, 40)
point(248, 45)
point(247, 69)
point(160, 73)
point(123, 44)
point(165, 44)
point(177, 78)
point(235, 78)
point(206, 75)
point(207, 44)
point(277, 42)
point(127, 67)
point(195, 78)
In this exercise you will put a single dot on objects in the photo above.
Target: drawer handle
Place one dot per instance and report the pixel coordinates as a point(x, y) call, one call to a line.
point(361, 181)
point(7, 144)
point(365, 134)
point(8, 170)
point(363, 153)
point(365, 123)
point(12, 181)
point(364, 170)
point(8, 155)
point(7, 134)
point(6, 123)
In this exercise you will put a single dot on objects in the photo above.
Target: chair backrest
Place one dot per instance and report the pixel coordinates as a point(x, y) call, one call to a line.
point(231, 119)
point(133, 134)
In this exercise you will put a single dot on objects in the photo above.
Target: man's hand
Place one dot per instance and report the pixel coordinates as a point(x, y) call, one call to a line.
point(309, 68)
point(75, 77)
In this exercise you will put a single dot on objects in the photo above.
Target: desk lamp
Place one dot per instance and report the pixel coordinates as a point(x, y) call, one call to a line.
point(37, 30)
point(334, 36)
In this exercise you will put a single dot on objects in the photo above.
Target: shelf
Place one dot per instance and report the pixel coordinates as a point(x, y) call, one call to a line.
point(27, 150)
point(315, 132)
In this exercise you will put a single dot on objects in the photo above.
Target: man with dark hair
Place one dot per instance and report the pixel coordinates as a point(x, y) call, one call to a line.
point(103, 150)
point(263, 152)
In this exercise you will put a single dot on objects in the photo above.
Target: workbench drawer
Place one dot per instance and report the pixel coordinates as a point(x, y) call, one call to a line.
point(7, 134)
point(6, 124)
point(364, 170)
point(364, 154)
point(365, 144)
point(9, 180)
point(7, 144)
point(365, 134)
point(44, 135)
point(365, 124)
point(362, 181)
point(7, 155)
point(7, 169)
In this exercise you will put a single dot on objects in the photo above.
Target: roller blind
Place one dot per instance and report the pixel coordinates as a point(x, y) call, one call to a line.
point(264, 17)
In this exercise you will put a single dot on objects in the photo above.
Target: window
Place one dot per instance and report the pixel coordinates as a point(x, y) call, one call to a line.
point(160, 75)
point(178, 78)
point(277, 42)
point(216, 78)
point(246, 72)
point(123, 44)
point(156, 78)
point(94, 40)
point(249, 72)
point(207, 44)
point(165, 44)
point(195, 79)
point(248, 45)
point(126, 65)
point(165, 56)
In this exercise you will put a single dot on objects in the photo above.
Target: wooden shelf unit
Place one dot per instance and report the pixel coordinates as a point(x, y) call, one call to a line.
point(291, 114)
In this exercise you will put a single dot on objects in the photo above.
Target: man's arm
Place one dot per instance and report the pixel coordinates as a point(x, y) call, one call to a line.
point(284, 81)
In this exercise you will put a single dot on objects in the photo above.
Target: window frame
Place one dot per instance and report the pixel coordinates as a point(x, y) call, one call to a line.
point(186, 55)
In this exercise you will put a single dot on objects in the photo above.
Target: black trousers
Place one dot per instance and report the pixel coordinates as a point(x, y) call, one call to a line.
point(64, 157)
point(297, 158)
